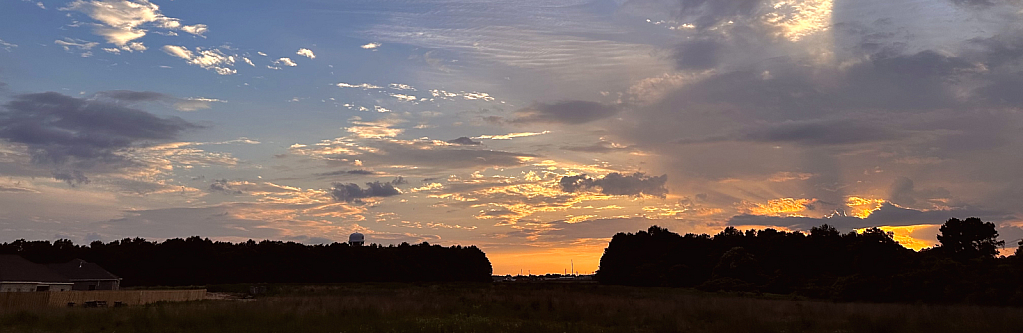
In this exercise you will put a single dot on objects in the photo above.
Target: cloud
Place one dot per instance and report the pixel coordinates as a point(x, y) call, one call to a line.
point(307, 53)
point(903, 192)
point(637, 184)
point(362, 85)
point(812, 132)
point(983, 3)
point(373, 146)
point(71, 177)
point(601, 147)
point(7, 46)
point(71, 134)
point(709, 13)
point(510, 136)
point(381, 128)
point(465, 141)
point(351, 192)
point(81, 45)
point(285, 62)
point(134, 96)
point(195, 103)
point(697, 55)
point(569, 112)
point(371, 46)
point(356, 172)
point(180, 104)
point(210, 59)
point(887, 215)
point(223, 186)
point(123, 21)
point(38, 4)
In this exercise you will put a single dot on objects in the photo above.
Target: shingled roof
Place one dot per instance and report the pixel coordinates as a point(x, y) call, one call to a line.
point(79, 269)
point(16, 268)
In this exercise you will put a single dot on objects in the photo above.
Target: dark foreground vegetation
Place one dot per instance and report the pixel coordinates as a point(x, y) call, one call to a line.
point(823, 264)
point(198, 261)
point(512, 308)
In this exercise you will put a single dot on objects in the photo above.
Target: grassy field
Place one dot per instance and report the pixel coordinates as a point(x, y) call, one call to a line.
point(512, 308)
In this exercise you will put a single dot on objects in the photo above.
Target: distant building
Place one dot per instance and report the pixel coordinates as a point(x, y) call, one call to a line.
point(86, 275)
point(20, 275)
point(357, 239)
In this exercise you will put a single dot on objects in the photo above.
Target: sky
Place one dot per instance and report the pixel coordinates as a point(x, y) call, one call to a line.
point(535, 130)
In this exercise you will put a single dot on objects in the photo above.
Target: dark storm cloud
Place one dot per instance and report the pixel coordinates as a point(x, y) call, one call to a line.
point(924, 80)
point(904, 192)
point(888, 215)
point(810, 133)
point(465, 141)
point(783, 101)
point(568, 112)
point(71, 177)
point(75, 133)
point(352, 193)
point(821, 132)
point(617, 184)
point(1002, 55)
point(697, 55)
point(999, 50)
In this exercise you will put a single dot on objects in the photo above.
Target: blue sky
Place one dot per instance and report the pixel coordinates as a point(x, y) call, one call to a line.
point(533, 129)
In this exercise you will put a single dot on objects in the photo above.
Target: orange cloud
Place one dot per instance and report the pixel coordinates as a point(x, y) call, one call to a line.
point(777, 207)
point(863, 207)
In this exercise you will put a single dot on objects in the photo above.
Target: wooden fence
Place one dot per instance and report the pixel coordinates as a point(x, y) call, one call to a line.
point(22, 300)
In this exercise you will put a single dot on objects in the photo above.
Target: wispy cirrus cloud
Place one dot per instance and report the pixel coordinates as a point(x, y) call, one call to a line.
point(82, 46)
point(7, 46)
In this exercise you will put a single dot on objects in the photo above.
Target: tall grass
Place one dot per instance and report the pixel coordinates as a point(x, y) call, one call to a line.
point(512, 308)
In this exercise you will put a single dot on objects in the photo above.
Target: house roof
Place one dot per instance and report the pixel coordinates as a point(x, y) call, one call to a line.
point(79, 269)
point(16, 268)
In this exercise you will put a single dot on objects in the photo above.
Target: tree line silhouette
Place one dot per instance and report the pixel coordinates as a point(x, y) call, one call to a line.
point(823, 263)
point(200, 261)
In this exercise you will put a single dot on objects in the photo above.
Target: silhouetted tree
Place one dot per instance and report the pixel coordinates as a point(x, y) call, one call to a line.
point(825, 263)
point(200, 261)
point(969, 238)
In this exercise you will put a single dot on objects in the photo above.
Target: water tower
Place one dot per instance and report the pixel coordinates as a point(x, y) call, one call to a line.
point(356, 239)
